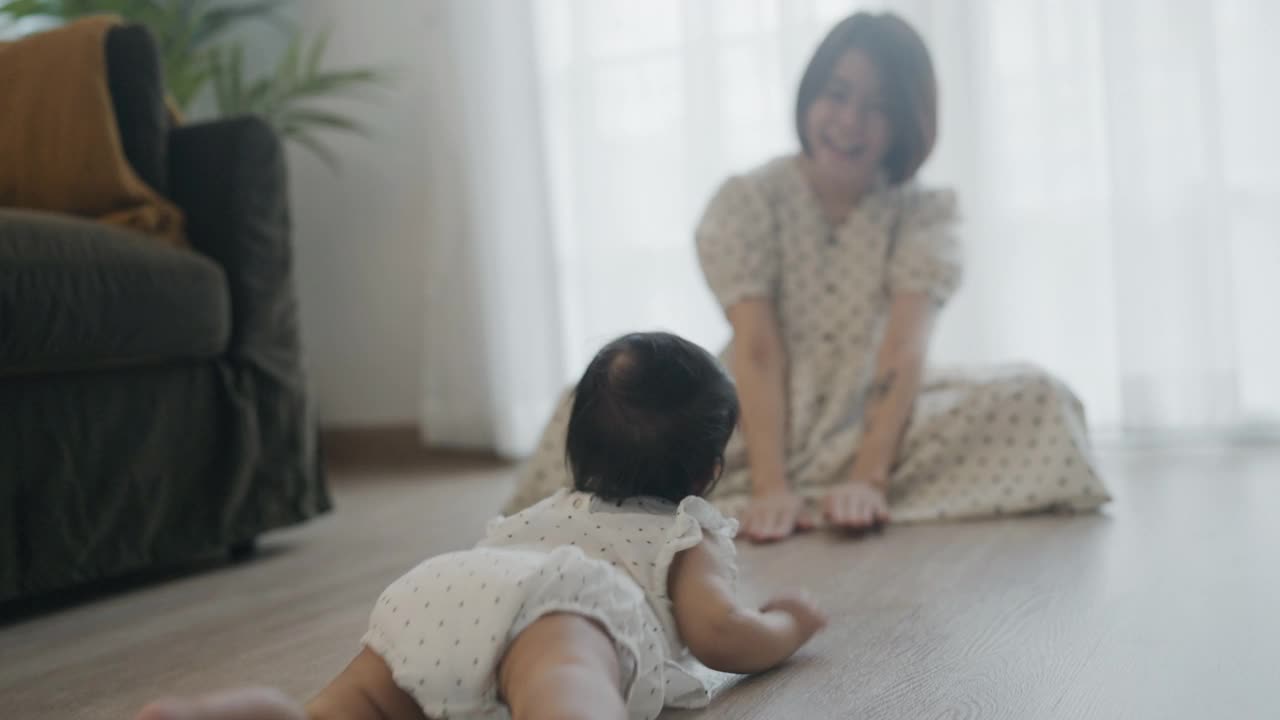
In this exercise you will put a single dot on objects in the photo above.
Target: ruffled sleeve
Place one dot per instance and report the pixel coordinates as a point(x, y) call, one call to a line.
point(737, 243)
point(697, 520)
point(926, 250)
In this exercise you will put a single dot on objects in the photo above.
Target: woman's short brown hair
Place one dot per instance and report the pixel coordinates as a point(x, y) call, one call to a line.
point(906, 80)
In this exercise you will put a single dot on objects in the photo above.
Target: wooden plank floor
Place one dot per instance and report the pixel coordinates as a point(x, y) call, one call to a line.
point(1165, 606)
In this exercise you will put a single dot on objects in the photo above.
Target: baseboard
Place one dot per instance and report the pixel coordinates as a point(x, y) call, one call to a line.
point(391, 446)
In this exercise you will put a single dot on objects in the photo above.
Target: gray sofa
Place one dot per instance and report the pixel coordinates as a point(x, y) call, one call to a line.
point(152, 403)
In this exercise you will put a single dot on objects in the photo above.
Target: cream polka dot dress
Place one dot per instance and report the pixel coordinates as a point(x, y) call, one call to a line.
point(979, 443)
point(444, 627)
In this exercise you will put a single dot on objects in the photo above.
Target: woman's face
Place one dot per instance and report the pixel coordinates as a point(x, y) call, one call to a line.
point(847, 127)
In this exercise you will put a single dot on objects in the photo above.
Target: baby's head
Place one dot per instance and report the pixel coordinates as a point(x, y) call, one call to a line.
point(651, 416)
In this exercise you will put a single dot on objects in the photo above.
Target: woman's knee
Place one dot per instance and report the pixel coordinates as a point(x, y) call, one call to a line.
point(1029, 374)
point(1035, 380)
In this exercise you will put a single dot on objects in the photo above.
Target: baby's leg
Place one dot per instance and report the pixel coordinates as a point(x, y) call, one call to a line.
point(562, 666)
point(246, 703)
point(364, 689)
point(565, 667)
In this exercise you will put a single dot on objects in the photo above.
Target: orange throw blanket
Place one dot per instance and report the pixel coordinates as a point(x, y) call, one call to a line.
point(60, 147)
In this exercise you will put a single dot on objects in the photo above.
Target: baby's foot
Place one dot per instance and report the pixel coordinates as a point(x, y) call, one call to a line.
point(254, 703)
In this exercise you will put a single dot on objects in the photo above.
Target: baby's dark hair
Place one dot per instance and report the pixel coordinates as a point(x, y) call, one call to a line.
point(651, 417)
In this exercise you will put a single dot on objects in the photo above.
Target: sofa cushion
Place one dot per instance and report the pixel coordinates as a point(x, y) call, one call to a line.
point(78, 295)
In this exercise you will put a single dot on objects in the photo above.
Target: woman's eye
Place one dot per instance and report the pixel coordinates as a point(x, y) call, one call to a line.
point(839, 96)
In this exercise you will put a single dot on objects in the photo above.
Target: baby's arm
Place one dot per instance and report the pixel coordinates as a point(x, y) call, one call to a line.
point(729, 638)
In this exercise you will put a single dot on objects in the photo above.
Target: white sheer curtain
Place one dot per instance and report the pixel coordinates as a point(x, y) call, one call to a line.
point(493, 359)
point(1117, 161)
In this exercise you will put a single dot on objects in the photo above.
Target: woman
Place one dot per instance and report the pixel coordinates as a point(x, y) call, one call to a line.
point(831, 266)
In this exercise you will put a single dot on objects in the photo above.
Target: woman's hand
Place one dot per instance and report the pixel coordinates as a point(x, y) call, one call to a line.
point(773, 515)
point(856, 505)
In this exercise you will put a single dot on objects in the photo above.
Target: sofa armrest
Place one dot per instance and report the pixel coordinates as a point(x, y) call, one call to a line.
point(229, 177)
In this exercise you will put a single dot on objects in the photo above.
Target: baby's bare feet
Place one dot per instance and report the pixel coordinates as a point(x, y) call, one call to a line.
point(253, 703)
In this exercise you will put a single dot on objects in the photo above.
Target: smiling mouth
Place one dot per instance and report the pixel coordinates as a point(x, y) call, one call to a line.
point(849, 152)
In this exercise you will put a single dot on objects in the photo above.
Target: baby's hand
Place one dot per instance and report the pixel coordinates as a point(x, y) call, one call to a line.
point(808, 617)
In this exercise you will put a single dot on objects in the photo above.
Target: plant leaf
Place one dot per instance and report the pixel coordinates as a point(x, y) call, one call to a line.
point(310, 117)
point(317, 148)
point(257, 96)
point(31, 8)
point(235, 74)
point(213, 23)
point(221, 83)
point(186, 84)
point(315, 54)
point(335, 82)
point(287, 70)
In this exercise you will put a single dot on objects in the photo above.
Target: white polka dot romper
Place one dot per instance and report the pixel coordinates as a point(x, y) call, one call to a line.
point(979, 443)
point(444, 627)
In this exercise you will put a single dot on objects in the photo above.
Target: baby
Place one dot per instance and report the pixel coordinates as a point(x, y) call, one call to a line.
point(595, 603)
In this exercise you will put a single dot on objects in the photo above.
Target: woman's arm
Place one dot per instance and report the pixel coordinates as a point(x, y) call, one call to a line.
point(759, 362)
point(759, 366)
point(899, 368)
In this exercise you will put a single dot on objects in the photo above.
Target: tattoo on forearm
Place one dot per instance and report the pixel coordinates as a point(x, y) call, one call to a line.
point(880, 389)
